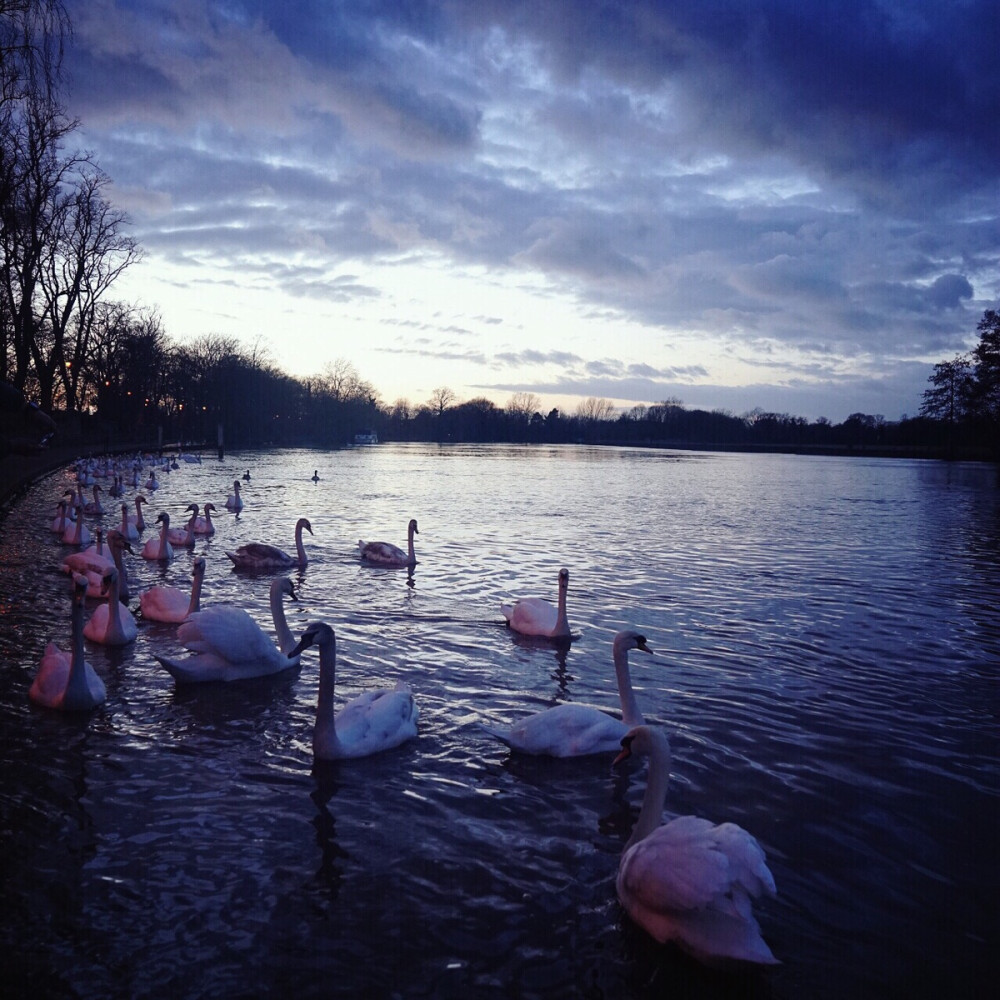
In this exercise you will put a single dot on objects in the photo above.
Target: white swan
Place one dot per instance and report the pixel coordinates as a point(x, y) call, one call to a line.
point(152, 483)
point(572, 730)
point(66, 680)
point(386, 554)
point(111, 624)
point(62, 517)
point(77, 533)
point(374, 721)
point(94, 571)
point(536, 616)
point(159, 547)
point(171, 604)
point(138, 522)
point(127, 528)
point(690, 881)
point(184, 537)
point(258, 556)
point(234, 501)
point(203, 524)
point(228, 645)
point(96, 559)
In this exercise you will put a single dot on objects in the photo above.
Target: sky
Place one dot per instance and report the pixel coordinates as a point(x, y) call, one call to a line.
point(789, 205)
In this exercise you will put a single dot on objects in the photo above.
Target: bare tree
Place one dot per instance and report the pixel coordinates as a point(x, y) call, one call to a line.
point(522, 405)
point(594, 409)
point(441, 399)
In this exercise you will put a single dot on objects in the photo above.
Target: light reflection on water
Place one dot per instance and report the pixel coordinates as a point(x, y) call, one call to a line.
point(827, 644)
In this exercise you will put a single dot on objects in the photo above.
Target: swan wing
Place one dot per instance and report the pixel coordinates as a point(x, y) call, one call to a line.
point(383, 553)
point(533, 616)
point(565, 731)
point(377, 720)
point(164, 604)
point(259, 554)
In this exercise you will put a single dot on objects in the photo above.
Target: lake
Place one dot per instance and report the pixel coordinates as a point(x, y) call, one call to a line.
point(827, 651)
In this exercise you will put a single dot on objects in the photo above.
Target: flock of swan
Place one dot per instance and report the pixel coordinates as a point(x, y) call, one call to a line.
point(688, 881)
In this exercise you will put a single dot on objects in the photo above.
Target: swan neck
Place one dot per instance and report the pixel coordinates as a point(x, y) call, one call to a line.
point(562, 620)
point(115, 628)
point(286, 641)
point(631, 715)
point(195, 604)
point(656, 793)
point(325, 741)
point(299, 547)
point(123, 588)
point(76, 683)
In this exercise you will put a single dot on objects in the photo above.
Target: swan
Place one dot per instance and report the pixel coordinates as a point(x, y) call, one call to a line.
point(66, 680)
point(690, 881)
point(58, 525)
point(171, 604)
point(184, 537)
point(386, 554)
point(535, 616)
point(228, 645)
point(110, 624)
point(246, 476)
point(127, 528)
point(138, 522)
point(258, 556)
point(77, 533)
point(94, 572)
point(117, 489)
point(234, 501)
point(374, 721)
point(152, 483)
point(203, 525)
point(573, 730)
point(159, 547)
point(94, 506)
point(94, 559)
point(315, 475)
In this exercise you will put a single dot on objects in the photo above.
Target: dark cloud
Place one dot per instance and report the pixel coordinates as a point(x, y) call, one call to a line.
point(785, 176)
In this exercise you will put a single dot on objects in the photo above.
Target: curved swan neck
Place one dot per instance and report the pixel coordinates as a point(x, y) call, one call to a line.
point(286, 640)
point(631, 715)
point(562, 620)
point(123, 588)
point(76, 683)
point(299, 547)
point(195, 604)
point(651, 812)
point(115, 629)
point(325, 740)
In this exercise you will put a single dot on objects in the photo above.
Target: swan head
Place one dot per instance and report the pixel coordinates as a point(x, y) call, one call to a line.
point(141, 499)
point(191, 506)
point(165, 518)
point(198, 566)
point(641, 741)
point(630, 639)
point(116, 540)
point(316, 633)
point(303, 522)
point(209, 506)
point(283, 585)
point(413, 526)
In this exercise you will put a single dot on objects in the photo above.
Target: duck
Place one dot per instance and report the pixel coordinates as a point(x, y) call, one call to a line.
point(372, 722)
point(171, 604)
point(574, 730)
point(234, 501)
point(138, 522)
point(184, 537)
point(203, 524)
point(228, 645)
point(160, 547)
point(94, 506)
point(536, 616)
point(66, 681)
point(386, 554)
point(258, 556)
point(690, 881)
point(110, 624)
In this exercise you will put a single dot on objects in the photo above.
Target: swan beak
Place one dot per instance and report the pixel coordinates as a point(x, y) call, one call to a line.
point(623, 754)
point(303, 644)
point(641, 644)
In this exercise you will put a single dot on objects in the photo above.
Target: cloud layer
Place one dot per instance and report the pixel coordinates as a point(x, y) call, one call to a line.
point(786, 204)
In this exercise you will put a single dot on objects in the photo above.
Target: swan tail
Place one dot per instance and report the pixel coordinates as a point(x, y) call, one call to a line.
point(503, 735)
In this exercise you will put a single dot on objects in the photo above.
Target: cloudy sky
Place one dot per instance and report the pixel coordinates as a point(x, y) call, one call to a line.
point(787, 204)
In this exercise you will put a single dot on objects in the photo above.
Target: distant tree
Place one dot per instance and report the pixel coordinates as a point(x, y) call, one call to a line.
point(593, 409)
point(952, 383)
point(985, 393)
point(441, 399)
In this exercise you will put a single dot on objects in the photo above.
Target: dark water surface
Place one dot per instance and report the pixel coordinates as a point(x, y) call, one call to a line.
point(827, 642)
